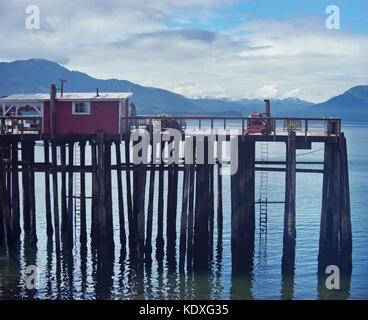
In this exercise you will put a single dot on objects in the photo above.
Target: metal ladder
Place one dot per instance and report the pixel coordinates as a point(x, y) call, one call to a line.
point(263, 189)
point(76, 192)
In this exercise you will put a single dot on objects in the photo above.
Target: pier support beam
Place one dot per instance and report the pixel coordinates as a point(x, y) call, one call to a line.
point(49, 230)
point(15, 224)
point(242, 209)
point(335, 245)
point(288, 254)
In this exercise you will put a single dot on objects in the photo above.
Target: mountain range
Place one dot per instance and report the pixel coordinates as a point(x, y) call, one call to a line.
point(35, 76)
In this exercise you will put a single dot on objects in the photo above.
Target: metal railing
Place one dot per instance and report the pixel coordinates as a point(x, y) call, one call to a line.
point(21, 125)
point(324, 126)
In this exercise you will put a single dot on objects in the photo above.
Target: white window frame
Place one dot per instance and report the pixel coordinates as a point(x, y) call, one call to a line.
point(88, 103)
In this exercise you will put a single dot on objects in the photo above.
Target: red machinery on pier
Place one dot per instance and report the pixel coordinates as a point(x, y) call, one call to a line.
point(258, 124)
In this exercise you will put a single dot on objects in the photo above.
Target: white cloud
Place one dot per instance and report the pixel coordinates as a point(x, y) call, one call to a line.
point(131, 40)
point(268, 91)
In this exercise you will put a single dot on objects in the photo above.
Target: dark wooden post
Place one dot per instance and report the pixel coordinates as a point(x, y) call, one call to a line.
point(55, 197)
point(219, 207)
point(15, 225)
point(5, 201)
point(69, 220)
point(120, 195)
point(345, 226)
point(139, 187)
point(53, 109)
point(148, 246)
point(129, 191)
point(190, 217)
point(242, 208)
point(25, 187)
point(83, 222)
point(108, 197)
point(171, 215)
point(95, 191)
point(47, 189)
point(288, 255)
point(184, 218)
point(101, 209)
point(160, 210)
point(211, 213)
point(32, 196)
point(64, 207)
point(201, 230)
point(330, 214)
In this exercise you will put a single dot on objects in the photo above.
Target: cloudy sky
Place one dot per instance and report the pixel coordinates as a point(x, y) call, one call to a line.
point(199, 48)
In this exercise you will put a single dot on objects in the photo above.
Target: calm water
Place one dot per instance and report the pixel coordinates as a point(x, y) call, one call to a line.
point(78, 277)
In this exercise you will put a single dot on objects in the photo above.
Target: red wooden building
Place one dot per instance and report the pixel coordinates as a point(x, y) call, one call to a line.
point(76, 113)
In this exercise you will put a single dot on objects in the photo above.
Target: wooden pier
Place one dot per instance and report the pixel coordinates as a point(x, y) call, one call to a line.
point(200, 213)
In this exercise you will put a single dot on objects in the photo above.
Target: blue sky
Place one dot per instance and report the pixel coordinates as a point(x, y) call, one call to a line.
point(354, 13)
point(199, 48)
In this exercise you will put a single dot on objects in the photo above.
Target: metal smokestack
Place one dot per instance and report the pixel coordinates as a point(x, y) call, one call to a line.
point(268, 108)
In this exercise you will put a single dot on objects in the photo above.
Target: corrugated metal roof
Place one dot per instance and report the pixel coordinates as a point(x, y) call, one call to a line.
point(68, 96)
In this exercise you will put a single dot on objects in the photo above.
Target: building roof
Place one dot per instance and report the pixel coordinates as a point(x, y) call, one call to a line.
point(75, 96)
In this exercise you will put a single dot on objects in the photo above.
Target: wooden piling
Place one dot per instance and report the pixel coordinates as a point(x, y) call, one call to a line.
point(15, 216)
point(171, 214)
point(160, 211)
point(25, 188)
point(49, 228)
point(5, 202)
point(108, 194)
point(32, 196)
point(184, 218)
point(242, 208)
point(95, 190)
point(55, 197)
point(69, 220)
point(345, 218)
point(190, 238)
point(64, 207)
point(288, 255)
point(129, 192)
point(139, 188)
point(211, 212)
point(329, 229)
point(219, 206)
point(148, 245)
point(83, 220)
point(120, 195)
point(101, 209)
point(201, 230)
